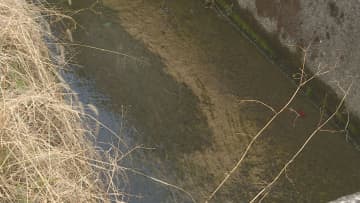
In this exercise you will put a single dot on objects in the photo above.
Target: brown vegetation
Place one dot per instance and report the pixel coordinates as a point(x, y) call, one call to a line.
point(45, 151)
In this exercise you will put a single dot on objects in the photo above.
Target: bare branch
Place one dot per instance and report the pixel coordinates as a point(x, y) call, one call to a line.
point(302, 81)
point(268, 187)
point(259, 102)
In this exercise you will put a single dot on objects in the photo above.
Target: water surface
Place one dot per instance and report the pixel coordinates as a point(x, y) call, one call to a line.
point(181, 88)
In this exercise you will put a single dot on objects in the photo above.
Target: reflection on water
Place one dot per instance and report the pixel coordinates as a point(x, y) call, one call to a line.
point(182, 96)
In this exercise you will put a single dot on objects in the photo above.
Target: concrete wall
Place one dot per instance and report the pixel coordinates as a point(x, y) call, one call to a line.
point(333, 28)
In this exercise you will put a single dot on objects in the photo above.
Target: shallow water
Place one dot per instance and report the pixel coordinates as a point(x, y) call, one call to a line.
point(177, 94)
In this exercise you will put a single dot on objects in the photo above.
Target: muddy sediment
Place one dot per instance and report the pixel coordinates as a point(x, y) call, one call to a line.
point(185, 101)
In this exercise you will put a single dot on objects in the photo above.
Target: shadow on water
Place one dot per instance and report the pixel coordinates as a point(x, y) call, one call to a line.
point(164, 114)
point(180, 97)
point(142, 87)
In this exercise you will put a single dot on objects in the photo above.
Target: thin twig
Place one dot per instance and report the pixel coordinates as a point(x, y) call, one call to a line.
point(302, 82)
point(259, 102)
point(268, 187)
point(101, 49)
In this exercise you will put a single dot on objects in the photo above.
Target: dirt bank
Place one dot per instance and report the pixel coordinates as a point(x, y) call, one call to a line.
point(45, 151)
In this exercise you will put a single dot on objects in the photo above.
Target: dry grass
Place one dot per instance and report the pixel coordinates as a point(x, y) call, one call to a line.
point(45, 151)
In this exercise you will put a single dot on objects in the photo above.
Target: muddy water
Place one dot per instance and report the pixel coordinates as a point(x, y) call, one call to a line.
point(176, 91)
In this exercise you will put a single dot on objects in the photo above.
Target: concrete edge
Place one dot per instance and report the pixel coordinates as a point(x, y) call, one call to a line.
point(269, 45)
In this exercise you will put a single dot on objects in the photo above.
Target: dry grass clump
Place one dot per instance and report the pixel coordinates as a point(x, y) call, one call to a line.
point(45, 151)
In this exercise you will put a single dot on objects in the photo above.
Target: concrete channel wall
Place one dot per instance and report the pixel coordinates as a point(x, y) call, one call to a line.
point(332, 27)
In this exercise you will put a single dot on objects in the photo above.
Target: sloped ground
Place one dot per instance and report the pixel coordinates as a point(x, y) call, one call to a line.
point(46, 155)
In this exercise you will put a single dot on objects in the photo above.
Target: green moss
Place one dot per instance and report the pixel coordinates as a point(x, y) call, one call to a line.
point(20, 84)
point(17, 80)
point(308, 91)
point(354, 130)
point(245, 28)
point(3, 155)
point(342, 119)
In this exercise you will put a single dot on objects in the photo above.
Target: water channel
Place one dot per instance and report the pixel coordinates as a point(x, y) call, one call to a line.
point(176, 90)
